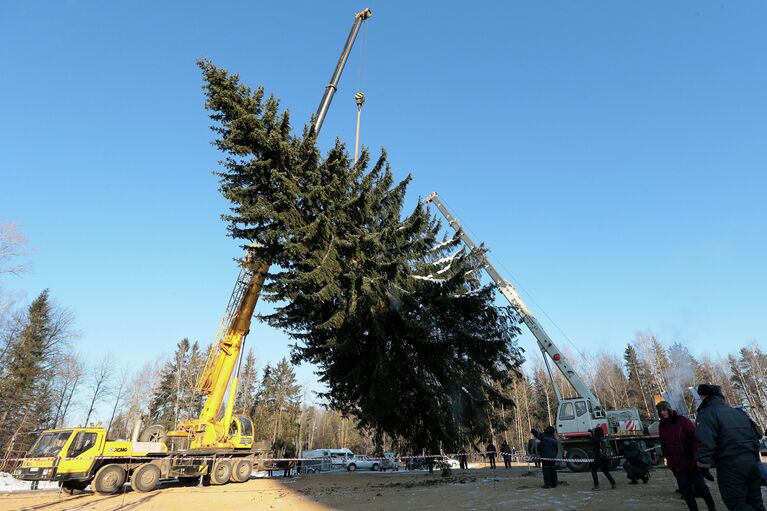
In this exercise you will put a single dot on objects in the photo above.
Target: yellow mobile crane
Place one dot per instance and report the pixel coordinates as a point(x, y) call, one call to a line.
point(218, 448)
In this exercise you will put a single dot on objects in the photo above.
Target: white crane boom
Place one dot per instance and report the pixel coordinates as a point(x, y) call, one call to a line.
point(545, 343)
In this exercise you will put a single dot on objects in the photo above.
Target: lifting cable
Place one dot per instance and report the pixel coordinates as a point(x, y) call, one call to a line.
point(359, 97)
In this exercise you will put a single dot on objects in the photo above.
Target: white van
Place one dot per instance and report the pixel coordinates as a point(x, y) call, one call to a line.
point(322, 460)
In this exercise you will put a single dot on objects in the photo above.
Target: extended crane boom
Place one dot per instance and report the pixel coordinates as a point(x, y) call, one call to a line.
point(332, 86)
point(545, 343)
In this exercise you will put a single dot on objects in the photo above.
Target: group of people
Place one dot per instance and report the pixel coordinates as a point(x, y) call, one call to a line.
point(725, 438)
point(506, 453)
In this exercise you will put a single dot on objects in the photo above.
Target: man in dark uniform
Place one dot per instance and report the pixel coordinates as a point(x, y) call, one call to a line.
point(491, 454)
point(506, 453)
point(548, 448)
point(729, 440)
point(463, 459)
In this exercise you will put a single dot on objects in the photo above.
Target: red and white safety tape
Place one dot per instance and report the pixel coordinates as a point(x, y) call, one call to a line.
point(517, 457)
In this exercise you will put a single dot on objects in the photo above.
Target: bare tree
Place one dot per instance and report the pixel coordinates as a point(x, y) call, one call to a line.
point(100, 384)
point(13, 245)
point(119, 393)
point(70, 374)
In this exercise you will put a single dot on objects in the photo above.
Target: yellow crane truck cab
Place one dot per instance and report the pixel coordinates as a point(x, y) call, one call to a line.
point(78, 457)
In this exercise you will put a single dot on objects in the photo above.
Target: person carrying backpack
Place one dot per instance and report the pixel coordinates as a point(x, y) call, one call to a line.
point(601, 459)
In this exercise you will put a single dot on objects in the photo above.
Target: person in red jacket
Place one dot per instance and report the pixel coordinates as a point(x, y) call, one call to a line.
point(680, 448)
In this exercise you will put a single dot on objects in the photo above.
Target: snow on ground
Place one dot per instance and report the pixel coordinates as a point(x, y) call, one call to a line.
point(8, 483)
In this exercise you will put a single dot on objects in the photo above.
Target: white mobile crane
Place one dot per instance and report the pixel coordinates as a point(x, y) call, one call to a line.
point(575, 415)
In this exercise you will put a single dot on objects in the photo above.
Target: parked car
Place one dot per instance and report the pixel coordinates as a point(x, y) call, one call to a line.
point(361, 461)
point(447, 460)
point(423, 462)
point(390, 462)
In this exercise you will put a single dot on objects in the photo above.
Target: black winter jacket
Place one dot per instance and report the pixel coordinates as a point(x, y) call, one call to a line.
point(549, 446)
point(725, 434)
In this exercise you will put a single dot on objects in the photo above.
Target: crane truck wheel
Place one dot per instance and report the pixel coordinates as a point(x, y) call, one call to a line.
point(577, 466)
point(109, 479)
point(154, 433)
point(222, 471)
point(241, 471)
point(145, 478)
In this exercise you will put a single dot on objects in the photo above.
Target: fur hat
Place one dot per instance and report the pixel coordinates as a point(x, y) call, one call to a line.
point(663, 405)
point(708, 389)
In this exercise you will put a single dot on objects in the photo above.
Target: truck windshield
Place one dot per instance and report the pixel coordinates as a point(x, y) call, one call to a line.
point(49, 444)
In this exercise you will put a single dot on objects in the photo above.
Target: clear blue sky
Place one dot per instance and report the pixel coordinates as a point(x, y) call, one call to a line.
point(611, 154)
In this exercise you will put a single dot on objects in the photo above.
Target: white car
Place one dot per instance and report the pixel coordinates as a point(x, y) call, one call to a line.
point(450, 462)
point(361, 461)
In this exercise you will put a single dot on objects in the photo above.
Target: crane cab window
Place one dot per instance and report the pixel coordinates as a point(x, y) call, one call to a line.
point(580, 408)
point(82, 442)
point(566, 412)
point(246, 427)
point(49, 444)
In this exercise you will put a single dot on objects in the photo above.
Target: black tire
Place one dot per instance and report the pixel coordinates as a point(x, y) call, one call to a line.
point(72, 486)
point(109, 479)
point(241, 471)
point(374, 468)
point(351, 467)
point(577, 466)
point(155, 433)
point(145, 478)
point(189, 480)
point(221, 473)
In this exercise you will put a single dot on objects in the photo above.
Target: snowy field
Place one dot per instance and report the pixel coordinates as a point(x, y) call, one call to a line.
point(8, 483)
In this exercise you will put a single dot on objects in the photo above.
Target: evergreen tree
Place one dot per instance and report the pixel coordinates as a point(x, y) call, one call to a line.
point(637, 377)
point(168, 396)
point(191, 399)
point(279, 404)
point(26, 403)
point(248, 385)
point(406, 339)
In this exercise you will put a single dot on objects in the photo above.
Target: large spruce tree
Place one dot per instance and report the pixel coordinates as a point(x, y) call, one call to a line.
point(26, 403)
point(404, 336)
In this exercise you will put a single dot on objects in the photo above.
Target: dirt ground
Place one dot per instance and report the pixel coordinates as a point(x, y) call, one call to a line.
point(480, 489)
